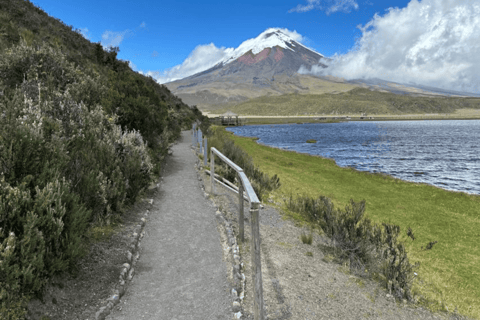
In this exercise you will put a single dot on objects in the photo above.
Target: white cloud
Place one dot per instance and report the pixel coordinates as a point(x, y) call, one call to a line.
point(329, 6)
point(132, 65)
point(433, 42)
point(113, 39)
point(84, 32)
point(201, 58)
point(292, 34)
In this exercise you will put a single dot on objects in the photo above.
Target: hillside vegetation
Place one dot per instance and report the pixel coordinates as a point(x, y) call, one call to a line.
point(81, 135)
point(355, 101)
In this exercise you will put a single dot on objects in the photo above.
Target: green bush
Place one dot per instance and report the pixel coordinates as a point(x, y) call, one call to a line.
point(73, 146)
point(40, 235)
point(363, 244)
point(63, 165)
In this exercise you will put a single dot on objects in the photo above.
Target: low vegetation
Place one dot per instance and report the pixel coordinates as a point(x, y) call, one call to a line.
point(81, 135)
point(262, 183)
point(306, 238)
point(365, 246)
point(356, 101)
point(403, 223)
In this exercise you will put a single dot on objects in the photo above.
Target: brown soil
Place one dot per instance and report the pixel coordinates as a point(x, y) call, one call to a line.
point(80, 295)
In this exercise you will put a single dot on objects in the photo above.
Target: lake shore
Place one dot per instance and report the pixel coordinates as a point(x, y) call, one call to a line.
point(446, 277)
point(463, 114)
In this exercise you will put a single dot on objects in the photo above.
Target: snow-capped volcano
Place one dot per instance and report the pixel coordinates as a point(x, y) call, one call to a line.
point(270, 38)
point(267, 64)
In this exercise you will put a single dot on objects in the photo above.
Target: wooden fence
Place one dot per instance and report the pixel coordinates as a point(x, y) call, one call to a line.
point(244, 190)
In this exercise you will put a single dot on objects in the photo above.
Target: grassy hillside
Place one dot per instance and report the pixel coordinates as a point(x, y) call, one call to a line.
point(355, 101)
point(223, 94)
point(81, 135)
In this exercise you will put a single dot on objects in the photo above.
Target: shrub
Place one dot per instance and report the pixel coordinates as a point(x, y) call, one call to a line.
point(40, 235)
point(307, 239)
point(65, 162)
point(360, 242)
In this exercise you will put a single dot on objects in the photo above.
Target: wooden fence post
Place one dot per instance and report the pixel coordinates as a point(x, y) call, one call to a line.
point(256, 263)
point(240, 207)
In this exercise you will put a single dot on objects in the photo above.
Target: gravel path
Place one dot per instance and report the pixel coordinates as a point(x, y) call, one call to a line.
point(180, 273)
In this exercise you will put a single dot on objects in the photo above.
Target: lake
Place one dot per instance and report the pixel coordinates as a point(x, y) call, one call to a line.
point(443, 153)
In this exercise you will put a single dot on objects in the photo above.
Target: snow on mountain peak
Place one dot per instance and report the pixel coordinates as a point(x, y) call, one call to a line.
point(268, 39)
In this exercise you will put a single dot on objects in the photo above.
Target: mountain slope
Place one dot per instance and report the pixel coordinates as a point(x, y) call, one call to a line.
point(267, 64)
point(81, 137)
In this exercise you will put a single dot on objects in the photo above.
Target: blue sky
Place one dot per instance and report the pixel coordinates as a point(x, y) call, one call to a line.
point(432, 42)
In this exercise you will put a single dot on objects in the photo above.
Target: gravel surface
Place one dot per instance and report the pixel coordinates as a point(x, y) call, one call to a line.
point(301, 282)
point(181, 273)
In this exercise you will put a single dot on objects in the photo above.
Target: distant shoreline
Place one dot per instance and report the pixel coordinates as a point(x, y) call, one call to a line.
point(251, 119)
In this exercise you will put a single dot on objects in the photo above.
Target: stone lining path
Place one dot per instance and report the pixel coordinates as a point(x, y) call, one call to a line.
point(180, 273)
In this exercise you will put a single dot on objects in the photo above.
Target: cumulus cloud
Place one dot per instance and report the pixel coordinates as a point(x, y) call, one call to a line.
point(329, 6)
point(201, 58)
point(204, 57)
point(432, 42)
point(113, 38)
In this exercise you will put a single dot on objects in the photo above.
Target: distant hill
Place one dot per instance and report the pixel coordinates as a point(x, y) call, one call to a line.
point(356, 101)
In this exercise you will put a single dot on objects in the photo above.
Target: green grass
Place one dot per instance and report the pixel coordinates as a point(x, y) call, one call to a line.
point(356, 101)
point(306, 238)
point(449, 273)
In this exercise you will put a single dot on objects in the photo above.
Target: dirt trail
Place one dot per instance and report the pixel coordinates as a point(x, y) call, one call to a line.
point(180, 273)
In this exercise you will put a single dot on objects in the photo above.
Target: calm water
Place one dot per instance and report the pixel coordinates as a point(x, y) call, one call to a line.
point(444, 153)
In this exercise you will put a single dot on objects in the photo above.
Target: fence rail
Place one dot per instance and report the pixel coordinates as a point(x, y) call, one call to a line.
point(244, 189)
